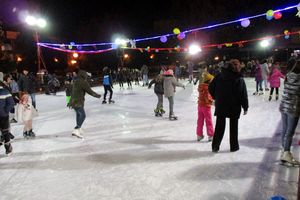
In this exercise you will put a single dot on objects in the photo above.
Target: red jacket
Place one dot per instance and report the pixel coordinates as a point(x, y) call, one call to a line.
point(204, 98)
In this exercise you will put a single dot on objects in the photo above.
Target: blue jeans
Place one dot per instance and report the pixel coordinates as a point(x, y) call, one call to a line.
point(145, 79)
point(33, 99)
point(289, 124)
point(80, 116)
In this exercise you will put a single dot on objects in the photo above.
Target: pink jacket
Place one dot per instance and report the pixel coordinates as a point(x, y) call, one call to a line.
point(274, 78)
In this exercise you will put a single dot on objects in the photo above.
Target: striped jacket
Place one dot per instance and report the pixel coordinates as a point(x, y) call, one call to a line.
point(6, 102)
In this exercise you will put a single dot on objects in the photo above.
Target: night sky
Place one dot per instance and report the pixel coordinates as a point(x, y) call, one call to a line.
point(94, 20)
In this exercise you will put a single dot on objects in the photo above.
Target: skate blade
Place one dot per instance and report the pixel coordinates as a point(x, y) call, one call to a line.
point(80, 137)
point(287, 164)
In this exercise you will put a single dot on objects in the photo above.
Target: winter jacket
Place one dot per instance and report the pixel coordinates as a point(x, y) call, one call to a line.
point(204, 98)
point(68, 89)
point(107, 79)
point(159, 85)
point(25, 112)
point(229, 91)
point(80, 87)
point(258, 75)
point(144, 70)
point(290, 102)
point(6, 102)
point(27, 83)
point(274, 78)
point(265, 71)
point(170, 84)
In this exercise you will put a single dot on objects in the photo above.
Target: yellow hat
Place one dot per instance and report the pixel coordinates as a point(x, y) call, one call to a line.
point(207, 77)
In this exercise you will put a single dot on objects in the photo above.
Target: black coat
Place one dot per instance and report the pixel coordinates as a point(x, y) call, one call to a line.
point(229, 91)
point(27, 83)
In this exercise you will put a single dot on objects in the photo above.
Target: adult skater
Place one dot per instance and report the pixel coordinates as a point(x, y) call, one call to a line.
point(170, 84)
point(290, 110)
point(80, 87)
point(108, 85)
point(229, 91)
point(159, 91)
point(6, 104)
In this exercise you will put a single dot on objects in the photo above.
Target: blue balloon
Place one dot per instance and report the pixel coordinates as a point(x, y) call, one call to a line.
point(72, 43)
point(286, 37)
point(269, 18)
point(163, 39)
point(277, 197)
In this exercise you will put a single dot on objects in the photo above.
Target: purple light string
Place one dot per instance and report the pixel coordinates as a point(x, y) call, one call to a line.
point(50, 45)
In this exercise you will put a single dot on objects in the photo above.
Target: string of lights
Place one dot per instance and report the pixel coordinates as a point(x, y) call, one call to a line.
point(229, 44)
point(171, 34)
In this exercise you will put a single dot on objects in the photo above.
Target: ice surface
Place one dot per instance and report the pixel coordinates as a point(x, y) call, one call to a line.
point(128, 153)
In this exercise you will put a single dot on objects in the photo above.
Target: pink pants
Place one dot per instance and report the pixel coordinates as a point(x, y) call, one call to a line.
point(204, 113)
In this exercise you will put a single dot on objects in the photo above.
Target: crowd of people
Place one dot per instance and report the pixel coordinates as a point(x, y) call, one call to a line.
point(224, 88)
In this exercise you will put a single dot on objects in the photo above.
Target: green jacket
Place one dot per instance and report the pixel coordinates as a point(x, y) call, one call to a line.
point(80, 87)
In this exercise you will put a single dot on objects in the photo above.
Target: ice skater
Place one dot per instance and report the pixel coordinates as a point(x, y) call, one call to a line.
point(229, 91)
point(80, 87)
point(170, 84)
point(274, 80)
point(159, 91)
point(108, 85)
point(25, 113)
point(258, 79)
point(290, 110)
point(204, 107)
point(6, 104)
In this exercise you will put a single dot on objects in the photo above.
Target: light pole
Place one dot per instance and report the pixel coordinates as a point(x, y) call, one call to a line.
point(37, 22)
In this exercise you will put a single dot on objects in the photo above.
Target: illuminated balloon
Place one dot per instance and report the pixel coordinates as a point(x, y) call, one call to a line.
point(286, 37)
point(269, 18)
point(277, 15)
point(79, 47)
point(163, 39)
point(176, 31)
point(181, 36)
point(270, 13)
point(70, 46)
point(245, 23)
point(72, 43)
point(286, 32)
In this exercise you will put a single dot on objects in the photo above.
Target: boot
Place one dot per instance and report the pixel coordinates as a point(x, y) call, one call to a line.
point(255, 93)
point(287, 158)
point(8, 148)
point(157, 112)
point(104, 102)
point(12, 137)
point(162, 111)
point(199, 138)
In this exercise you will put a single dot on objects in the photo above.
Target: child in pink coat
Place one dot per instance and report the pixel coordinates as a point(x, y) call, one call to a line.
point(274, 80)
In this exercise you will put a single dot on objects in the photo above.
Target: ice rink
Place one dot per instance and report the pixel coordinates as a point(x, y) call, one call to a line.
point(129, 154)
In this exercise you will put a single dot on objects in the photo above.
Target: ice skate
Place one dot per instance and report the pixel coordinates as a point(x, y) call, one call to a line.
point(76, 133)
point(255, 93)
point(288, 160)
point(276, 97)
point(31, 134)
point(13, 120)
point(104, 102)
point(270, 98)
point(172, 117)
point(199, 138)
point(12, 137)
point(26, 134)
point(261, 93)
point(157, 112)
point(210, 138)
point(111, 101)
point(8, 149)
point(162, 111)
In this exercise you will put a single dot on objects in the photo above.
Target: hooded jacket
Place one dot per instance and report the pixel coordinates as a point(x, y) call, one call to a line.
point(80, 87)
point(229, 91)
point(170, 84)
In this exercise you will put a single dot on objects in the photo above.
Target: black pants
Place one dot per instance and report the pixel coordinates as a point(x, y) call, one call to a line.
point(219, 133)
point(4, 127)
point(108, 88)
point(272, 89)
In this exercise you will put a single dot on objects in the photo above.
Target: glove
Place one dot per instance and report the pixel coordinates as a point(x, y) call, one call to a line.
point(245, 112)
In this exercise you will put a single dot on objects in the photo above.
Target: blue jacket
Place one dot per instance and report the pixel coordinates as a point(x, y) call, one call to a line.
point(6, 102)
point(107, 79)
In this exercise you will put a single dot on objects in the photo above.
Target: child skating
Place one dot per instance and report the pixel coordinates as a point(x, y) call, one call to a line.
point(274, 80)
point(107, 84)
point(159, 91)
point(204, 108)
point(25, 113)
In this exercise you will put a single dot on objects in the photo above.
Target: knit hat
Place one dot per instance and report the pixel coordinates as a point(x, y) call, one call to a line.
point(169, 72)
